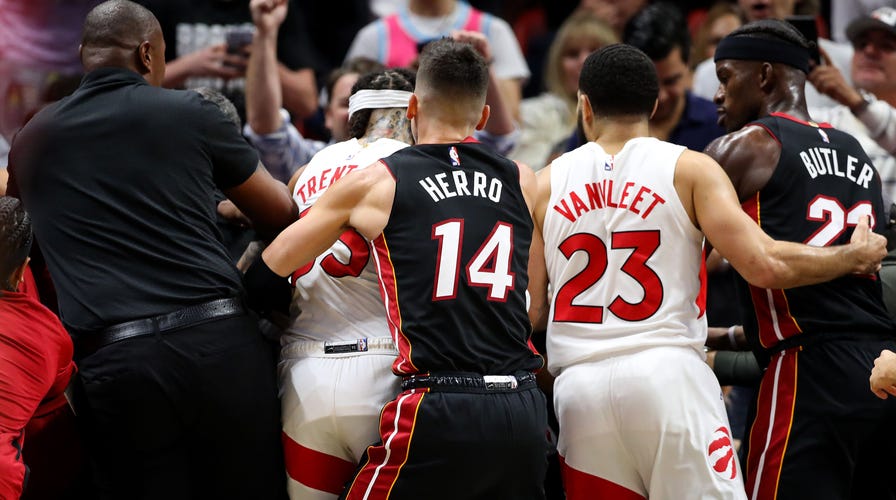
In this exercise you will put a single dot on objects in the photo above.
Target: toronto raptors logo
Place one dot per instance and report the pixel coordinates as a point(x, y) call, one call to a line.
point(721, 453)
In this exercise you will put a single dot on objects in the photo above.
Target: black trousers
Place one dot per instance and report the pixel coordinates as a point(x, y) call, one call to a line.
point(188, 414)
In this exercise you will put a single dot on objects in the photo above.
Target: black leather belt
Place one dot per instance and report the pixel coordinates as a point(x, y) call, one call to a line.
point(466, 382)
point(189, 316)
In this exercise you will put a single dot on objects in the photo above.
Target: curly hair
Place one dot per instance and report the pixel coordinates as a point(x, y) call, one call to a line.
point(15, 238)
point(390, 79)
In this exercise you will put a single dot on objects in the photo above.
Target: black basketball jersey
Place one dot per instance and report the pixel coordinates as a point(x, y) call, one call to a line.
point(823, 183)
point(453, 261)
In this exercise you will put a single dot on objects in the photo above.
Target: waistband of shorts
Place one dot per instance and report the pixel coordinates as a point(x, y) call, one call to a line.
point(803, 340)
point(469, 382)
point(338, 348)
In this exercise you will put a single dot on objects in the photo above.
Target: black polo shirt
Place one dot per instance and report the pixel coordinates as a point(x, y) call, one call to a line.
point(119, 179)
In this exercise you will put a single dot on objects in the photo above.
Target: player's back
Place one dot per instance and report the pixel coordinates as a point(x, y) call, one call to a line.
point(622, 255)
point(453, 259)
point(822, 184)
point(338, 293)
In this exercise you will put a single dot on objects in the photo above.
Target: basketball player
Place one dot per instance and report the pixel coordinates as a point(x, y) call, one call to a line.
point(818, 431)
point(451, 226)
point(338, 336)
point(623, 220)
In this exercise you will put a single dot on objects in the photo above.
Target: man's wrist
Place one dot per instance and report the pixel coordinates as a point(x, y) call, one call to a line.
point(859, 106)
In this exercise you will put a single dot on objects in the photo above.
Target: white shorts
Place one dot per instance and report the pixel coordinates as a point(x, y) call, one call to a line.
point(331, 406)
point(645, 425)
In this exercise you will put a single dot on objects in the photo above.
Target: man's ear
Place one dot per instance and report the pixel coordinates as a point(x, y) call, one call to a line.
point(483, 119)
point(656, 104)
point(144, 57)
point(412, 107)
point(766, 76)
point(587, 110)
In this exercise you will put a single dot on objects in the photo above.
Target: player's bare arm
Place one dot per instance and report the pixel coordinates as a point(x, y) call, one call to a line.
point(761, 260)
point(748, 156)
point(539, 304)
point(361, 200)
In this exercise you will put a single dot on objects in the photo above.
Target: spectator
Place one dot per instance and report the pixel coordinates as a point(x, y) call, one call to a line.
point(721, 19)
point(706, 82)
point(815, 434)
point(468, 392)
point(207, 44)
point(550, 117)
point(866, 107)
point(338, 328)
point(35, 357)
point(395, 41)
point(660, 31)
point(179, 390)
point(844, 12)
point(38, 45)
point(269, 127)
point(640, 412)
point(616, 13)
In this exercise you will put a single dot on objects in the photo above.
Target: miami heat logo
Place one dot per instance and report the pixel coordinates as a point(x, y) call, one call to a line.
point(721, 454)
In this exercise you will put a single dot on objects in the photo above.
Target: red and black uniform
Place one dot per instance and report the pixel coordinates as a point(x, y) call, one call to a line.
point(470, 422)
point(815, 415)
point(36, 366)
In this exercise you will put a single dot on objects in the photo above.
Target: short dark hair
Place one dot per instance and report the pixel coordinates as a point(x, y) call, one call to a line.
point(453, 70)
point(657, 29)
point(772, 29)
point(117, 23)
point(15, 238)
point(390, 79)
point(619, 80)
point(223, 103)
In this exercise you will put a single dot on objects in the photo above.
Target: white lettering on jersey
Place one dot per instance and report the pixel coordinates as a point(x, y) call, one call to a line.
point(824, 161)
point(440, 186)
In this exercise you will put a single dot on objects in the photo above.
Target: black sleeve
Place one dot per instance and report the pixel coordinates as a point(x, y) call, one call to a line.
point(234, 160)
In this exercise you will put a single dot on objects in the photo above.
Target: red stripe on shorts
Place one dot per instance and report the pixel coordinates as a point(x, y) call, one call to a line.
point(315, 469)
point(384, 461)
point(583, 486)
point(771, 429)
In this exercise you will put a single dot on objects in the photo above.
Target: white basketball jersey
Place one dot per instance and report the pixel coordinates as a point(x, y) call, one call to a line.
point(338, 294)
point(622, 255)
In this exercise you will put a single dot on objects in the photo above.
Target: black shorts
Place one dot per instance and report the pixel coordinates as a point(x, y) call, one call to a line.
point(458, 444)
point(819, 432)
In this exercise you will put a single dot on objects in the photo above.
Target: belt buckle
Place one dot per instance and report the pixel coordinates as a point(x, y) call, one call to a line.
point(500, 382)
point(359, 345)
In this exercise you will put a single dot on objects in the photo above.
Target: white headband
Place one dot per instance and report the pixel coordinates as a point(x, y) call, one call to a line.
point(377, 99)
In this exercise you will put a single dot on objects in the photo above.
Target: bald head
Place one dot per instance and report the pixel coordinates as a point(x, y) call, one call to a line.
point(114, 34)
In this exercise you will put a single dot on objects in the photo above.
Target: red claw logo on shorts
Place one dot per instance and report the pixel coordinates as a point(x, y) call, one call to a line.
point(721, 453)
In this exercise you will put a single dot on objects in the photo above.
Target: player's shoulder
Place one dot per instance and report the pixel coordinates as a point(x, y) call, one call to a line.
point(741, 142)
